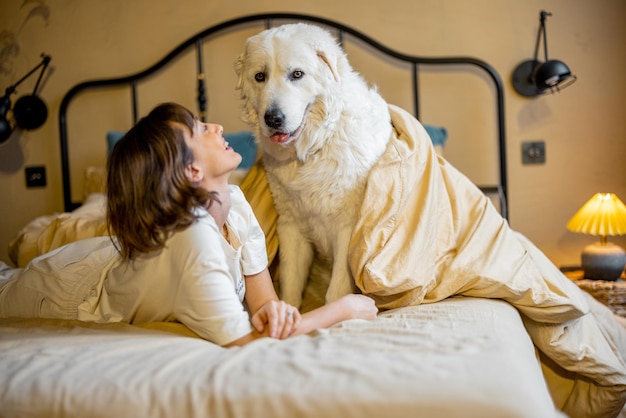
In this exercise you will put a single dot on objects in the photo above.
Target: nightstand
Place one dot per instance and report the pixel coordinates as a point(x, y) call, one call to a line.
point(610, 293)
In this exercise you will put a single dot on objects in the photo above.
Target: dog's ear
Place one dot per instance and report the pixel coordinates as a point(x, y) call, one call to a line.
point(248, 115)
point(239, 71)
point(333, 56)
point(330, 63)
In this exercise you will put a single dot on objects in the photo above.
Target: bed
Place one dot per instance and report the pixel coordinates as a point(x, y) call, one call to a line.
point(462, 356)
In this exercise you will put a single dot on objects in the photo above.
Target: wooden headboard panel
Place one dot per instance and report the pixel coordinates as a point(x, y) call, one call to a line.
point(344, 34)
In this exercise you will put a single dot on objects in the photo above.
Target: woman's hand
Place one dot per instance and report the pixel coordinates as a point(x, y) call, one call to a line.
point(280, 318)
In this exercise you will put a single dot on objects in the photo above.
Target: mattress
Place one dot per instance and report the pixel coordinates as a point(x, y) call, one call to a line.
point(459, 357)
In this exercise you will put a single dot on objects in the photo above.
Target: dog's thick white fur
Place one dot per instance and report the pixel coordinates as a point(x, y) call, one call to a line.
point(321, 128)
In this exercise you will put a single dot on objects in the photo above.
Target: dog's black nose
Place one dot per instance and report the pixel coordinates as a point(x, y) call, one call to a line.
point(274, 118)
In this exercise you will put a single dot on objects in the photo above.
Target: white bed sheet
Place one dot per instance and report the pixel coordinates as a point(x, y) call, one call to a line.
point(459, 357)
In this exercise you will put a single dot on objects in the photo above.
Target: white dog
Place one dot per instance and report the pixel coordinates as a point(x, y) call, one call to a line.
point(321, 129)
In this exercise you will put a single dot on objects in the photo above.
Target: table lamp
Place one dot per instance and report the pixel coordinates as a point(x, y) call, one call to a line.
point(603, 215)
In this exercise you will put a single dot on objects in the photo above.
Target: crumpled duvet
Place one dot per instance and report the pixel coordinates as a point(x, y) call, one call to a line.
point(425, 232)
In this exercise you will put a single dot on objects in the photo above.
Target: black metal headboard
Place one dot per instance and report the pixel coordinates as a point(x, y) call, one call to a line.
point(197, 40)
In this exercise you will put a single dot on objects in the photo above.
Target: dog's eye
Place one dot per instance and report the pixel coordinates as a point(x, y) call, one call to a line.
point(259, 77)
point(297, 74)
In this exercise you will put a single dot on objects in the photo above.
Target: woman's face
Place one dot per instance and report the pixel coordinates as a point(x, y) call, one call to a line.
point(213, 157)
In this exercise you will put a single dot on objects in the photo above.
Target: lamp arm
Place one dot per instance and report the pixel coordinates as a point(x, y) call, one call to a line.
point(537, 43)
point(544, 14)
point(542, 31)
point(45, 60)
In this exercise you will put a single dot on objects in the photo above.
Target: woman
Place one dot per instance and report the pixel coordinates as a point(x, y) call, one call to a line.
point(187, 247)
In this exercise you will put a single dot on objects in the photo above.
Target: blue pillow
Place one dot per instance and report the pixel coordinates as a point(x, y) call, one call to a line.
point(438, 135)
point(112, 138)
point(242, 142)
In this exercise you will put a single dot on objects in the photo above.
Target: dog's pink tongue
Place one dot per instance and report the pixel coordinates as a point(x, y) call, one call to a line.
point(279, 137)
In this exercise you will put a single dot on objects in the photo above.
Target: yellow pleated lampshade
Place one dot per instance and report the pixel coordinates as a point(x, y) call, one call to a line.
point(604, 214)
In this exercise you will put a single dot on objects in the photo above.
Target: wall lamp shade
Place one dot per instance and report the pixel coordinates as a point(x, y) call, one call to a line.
point(29, 112)
point(532, 77)
point(603, 215)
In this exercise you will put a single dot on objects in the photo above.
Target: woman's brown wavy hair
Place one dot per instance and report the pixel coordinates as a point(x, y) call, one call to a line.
point(148, 193)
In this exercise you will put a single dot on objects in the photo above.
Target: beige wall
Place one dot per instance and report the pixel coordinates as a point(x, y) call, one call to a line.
point(583, 126)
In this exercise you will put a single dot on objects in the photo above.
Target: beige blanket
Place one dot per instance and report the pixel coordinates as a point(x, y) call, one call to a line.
point(426, 233)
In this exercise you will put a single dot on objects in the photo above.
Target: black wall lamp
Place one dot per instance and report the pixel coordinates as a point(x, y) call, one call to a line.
point(29, 112)
point(532, 77)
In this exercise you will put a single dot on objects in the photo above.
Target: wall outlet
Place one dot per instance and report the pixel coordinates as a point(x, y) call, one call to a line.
point(35, 176)
point(533, 152)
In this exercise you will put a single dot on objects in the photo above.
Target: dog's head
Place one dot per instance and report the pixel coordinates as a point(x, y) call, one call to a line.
point(286, 77)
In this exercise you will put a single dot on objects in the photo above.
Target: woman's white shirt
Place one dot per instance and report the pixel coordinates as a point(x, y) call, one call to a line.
point(197, 279)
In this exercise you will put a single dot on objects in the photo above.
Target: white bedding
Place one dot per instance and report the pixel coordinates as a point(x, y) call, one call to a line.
point(460, 357)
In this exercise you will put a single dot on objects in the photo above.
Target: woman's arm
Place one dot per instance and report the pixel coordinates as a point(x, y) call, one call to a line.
point(351, 306)
point(348, 307)
point(259, 290)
